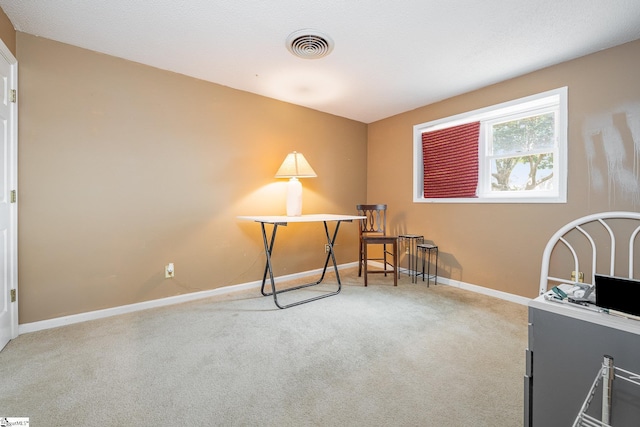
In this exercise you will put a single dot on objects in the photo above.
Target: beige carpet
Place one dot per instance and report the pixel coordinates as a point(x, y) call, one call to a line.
point(375, 356)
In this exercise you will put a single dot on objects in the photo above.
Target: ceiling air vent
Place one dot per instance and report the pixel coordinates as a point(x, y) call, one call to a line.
point(309, 44)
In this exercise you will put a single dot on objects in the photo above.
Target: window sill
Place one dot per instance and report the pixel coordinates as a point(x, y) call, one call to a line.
point(492, 200)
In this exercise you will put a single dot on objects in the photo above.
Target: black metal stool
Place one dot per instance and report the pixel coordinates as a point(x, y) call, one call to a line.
point(426, 250)
point(410, 242)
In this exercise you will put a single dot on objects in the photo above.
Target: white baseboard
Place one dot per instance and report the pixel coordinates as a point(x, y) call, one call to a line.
point(485, 291)
point(162, 302)
point(473, 288)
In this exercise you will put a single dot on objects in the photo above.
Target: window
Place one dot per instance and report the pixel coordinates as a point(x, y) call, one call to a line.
point(511, 152)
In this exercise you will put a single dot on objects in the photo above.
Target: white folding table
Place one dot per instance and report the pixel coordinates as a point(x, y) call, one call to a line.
point(277, 220)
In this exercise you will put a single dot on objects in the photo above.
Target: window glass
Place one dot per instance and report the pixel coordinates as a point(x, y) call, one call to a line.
point(520, 153)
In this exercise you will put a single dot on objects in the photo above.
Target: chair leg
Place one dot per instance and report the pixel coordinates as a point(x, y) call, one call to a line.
point(384, 256)
point(365, 264)
point(395, 263)
point(360, 258)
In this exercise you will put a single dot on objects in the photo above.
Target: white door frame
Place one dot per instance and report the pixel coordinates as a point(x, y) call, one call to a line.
point(12, 267)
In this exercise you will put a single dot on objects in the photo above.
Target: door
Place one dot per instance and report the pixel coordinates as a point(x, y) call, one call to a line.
point(8, 196)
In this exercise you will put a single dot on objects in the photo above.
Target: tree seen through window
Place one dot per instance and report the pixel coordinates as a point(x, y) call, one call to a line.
point(521, 153)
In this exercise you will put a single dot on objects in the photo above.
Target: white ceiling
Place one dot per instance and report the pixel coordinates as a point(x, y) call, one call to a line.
point(390, 56)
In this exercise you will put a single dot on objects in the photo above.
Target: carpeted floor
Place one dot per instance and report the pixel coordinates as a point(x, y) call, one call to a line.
point(375, 356)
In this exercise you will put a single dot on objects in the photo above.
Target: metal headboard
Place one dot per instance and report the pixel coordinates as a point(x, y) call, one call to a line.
point(579, 225)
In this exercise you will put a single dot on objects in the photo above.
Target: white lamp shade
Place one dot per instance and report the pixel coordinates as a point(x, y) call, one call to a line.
point(295, 166)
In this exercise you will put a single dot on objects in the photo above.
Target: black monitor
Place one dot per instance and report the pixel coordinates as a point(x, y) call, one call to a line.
point(617, 293)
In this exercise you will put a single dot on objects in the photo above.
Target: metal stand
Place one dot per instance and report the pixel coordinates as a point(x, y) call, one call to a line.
point(607, 373)
point(426, 250)
point(409, 243)
point(268, 247)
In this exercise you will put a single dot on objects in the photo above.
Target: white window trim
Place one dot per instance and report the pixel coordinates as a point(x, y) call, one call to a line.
point(540, 100)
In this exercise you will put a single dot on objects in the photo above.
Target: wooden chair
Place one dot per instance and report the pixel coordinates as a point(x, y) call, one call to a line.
point(373, 231)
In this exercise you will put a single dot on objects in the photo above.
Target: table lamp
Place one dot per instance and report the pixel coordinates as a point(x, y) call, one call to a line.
point(295, 166)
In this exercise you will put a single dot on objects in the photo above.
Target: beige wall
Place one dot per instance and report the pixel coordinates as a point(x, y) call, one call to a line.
point(124, 168)
point(500, 246)
point(7, 32)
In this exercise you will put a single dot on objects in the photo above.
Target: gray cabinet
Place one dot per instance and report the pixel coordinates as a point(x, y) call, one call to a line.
point(566, 349)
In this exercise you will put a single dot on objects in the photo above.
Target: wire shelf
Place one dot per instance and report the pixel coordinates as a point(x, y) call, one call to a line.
point(607, 373)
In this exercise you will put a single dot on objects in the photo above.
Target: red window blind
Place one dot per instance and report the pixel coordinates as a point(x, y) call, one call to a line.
point(450, 159)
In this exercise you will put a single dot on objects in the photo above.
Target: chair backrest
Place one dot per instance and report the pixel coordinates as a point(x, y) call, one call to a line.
point(376, 219)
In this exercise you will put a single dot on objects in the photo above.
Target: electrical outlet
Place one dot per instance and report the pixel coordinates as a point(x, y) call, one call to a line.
point(169, 271)
point(327, 249)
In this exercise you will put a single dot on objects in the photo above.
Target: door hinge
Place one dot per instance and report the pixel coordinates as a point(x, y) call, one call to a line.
point(14, 95)
point(13, 196)
point(13, 295)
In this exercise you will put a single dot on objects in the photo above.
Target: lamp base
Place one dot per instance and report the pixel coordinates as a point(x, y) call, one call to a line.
point(294, 197)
